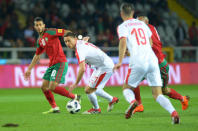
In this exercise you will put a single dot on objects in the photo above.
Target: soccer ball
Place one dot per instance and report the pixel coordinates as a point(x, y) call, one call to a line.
point(73, 106)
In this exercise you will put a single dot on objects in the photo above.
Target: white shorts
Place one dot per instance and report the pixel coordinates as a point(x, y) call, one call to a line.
point(151, 72)
point(99, 78)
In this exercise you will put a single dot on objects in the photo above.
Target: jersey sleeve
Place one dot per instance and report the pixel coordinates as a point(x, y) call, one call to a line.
point(55, 32)
point(80, 54)
point(122, 31)
point(148, 31)
point(156, 33)
point(39, 50)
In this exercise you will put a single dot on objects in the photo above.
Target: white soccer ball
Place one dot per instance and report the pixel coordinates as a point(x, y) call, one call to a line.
point(73, 106)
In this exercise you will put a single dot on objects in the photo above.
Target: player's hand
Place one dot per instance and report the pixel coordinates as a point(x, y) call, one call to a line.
point(86, 38)
point(117, 66)
point(71, 87)
point(27, 75)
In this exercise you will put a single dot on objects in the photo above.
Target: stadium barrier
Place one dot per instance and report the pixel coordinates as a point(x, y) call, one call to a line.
point(12, 76)
point(14, 57)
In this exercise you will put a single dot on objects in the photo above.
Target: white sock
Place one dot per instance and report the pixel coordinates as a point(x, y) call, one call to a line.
point(165, 103)
point(129, 95)
point(102, 93)
point(93, 99)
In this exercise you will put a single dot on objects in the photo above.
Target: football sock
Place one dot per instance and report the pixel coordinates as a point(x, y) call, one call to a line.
point(50, 97)
point(62, 91)
point(129, 95)
point(102, 93)
point(137, 95)
point(93, 99)
point(165, 103)
point(175, 95)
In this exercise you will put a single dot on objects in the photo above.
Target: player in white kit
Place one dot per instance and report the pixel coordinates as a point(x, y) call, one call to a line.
point(91, 55)
point(136, 36)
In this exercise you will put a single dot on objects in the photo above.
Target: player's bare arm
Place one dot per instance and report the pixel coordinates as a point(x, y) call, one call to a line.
point(80, 75)
point(35, 59)
point(122, 50)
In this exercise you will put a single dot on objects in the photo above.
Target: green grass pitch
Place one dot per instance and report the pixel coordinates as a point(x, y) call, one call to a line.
point(24, 107)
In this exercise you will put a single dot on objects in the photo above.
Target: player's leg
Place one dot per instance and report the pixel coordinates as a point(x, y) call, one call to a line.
point(134, 77)
point(140, 107)
point(154, 80)
point(48, 94)
point(164, 70)
point(93, 99)
point(53, 86)
point(165, 103)
point(58, 76)
point(103, 79)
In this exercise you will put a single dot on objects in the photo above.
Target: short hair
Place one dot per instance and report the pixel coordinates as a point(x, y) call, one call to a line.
point(143, 15)
point(127, 8)
point(38, 19)
point(70, 34)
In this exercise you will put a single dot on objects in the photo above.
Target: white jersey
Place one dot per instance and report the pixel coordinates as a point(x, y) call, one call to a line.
point(92, 55)
point(138, 44)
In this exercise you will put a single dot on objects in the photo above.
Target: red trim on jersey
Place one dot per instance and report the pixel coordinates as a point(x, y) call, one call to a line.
point(121, 37)
point(100, 79)
point(128, 74)
point(58, 71)
point(81, 61)
point(130, 18)
point(62, 72)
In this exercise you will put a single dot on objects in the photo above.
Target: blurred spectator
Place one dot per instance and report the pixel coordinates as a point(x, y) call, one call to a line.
point(180, 34)
point(193, 34)
point(95, 18)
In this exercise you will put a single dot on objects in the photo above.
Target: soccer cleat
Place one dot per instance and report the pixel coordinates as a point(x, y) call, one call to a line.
point(175, 118)
point(78, 98)
point(111, 104)
point(185, 102)
point(52, 110)
point(92, 111)
point(130, 109)
point(139, 108)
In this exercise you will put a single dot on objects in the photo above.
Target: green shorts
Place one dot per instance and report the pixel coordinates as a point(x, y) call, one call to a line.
point(56, 72)
point(164, 70)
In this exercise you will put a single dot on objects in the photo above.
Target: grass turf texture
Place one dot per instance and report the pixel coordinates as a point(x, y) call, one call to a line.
point(24, 107)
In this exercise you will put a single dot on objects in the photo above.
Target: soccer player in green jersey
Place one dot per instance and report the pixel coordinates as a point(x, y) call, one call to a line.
point(49, 42)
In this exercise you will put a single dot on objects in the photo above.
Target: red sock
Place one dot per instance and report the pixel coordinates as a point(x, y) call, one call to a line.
point(175, 95)
point(50, 97)
point(62, 91)
point(137, 95)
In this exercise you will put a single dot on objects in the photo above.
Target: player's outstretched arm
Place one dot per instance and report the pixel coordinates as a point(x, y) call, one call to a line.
point(80, 75)
point(35, 59)
point(122, 50)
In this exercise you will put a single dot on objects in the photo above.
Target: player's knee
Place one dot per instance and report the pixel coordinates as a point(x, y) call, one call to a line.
point(165, 91)
point(87, 90)
point(125, 86)
point(43, 88)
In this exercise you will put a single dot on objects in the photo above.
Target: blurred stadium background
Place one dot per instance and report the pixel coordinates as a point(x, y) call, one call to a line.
point(175, 21)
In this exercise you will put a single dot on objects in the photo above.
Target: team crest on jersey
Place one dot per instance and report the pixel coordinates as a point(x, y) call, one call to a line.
point(43, 43)
point(60, 30)
point(46, 39)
